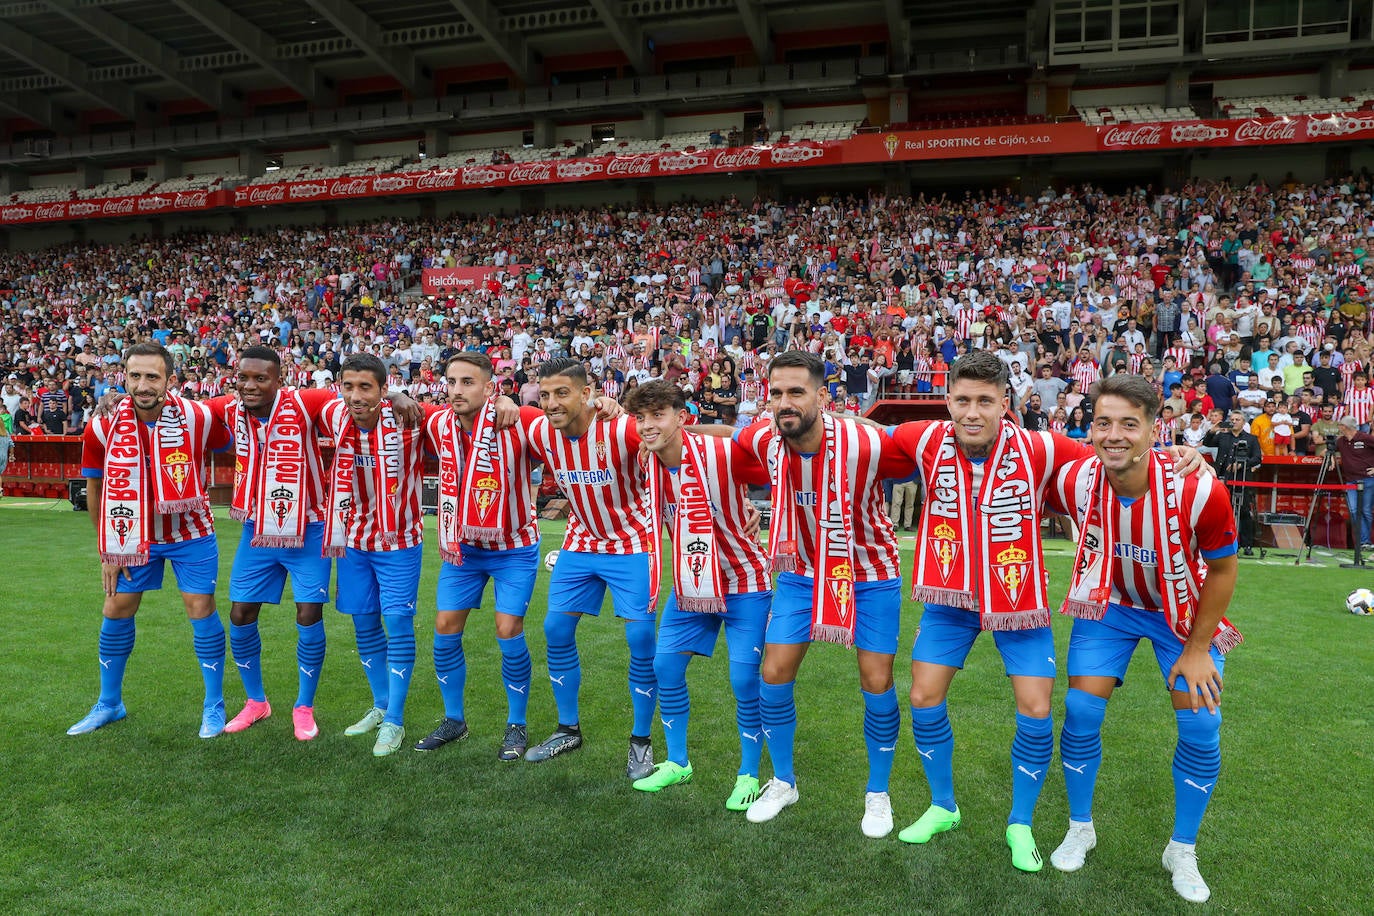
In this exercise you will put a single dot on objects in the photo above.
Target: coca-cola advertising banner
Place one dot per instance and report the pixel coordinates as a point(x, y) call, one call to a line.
point(97, 208)
point(441, 281)
point(896, 146)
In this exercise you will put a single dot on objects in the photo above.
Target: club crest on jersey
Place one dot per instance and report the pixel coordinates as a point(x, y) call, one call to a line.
point(842, 587)
point(698, 555)
point(945, 543)
point(122, 521)
point(601, 451)
point(446, 517)
point(177, 467)
point(487, 489)
point(1012, 569)
point(282, 498)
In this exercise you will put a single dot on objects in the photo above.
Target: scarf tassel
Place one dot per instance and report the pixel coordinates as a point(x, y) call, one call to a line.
point(451, 557)
point(241, 515)
point(480, 533)
point(829, 633)
point(277, 542)
point(179, 506)
point(335, 553)
point(1226, 639)
point(126, 559)
point(927, 594)
point(705, 604)
point(1084, 610)
point(1018, 620)
point(785, 562)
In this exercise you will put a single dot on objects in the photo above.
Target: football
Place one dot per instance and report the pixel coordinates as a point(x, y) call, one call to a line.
point(1361, 602)
point(551, 558)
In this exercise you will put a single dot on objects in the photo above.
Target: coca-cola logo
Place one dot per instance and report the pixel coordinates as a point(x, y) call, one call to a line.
point(191, 199)
point(437, 179)
point(52, 211)
point(480, 174)
point(1144, 135)
point(531, 172)
point(348, 187)
point(579, 168)
point(117, 205)
point(682, 162)
point(790, 154)
point(1266, 131)
point(390, 183)
point(264, 194)
point(153, 203)
point(82, 208)
point(14, 214)
point(1197, 133)
point(308, 190)
point(622, 166)
point(1339, 125)
point(737, 159)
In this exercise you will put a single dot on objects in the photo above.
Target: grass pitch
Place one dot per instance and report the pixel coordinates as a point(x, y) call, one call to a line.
point(143, 816)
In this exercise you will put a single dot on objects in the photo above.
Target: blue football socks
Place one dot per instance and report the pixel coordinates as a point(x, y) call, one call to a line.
point(935, 743)
point(208, 636)
point(778, 715)
point(310, 644)
point(116, 645)
point(1031, 750)
point(451, 669)
point(246, 645)
point(400, 664)
point(515, 672)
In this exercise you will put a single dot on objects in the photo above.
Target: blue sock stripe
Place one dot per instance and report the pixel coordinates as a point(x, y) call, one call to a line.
point(778, 713)
point(310, 646)
point(882, 725)
point(400, 664)
point(516, 671)
point(208, 639)
point(673, 700)
point(934, 736)
point(116, 644)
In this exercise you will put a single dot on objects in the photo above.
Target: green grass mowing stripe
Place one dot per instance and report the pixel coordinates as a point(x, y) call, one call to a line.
point(143, 816)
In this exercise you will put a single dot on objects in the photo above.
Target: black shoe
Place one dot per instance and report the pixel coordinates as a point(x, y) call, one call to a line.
point(1247, 552)
point(563, 739)
point(448, 730)
point(513, 745)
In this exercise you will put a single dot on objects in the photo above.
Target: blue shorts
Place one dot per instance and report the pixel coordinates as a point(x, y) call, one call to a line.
point(195, 563)
point(579, 582)
point(379, 581)
point(745, 619)
point(877, 613)
point(946, 635)
point(1103, 648)
point(259, 573)
point(513, 571)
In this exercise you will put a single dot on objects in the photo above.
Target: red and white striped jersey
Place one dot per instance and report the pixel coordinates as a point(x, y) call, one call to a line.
point(1087, 372)
point(1348, 370)
point(603, 479)
point(875, 460)
point(1358, 403)
point(729, 470)
point(206, 434)
point(364, 529)
point(314, 401)
point(1204, 502)
point(518, 518)
point(1182, 356)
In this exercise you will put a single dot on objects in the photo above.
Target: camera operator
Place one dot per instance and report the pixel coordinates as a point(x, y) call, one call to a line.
point(1238, 458)
point(1357, 464)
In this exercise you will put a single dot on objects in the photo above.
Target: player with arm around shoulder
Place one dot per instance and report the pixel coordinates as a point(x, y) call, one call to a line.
point(1156, 560)
point(697, 487)
point(147, 501)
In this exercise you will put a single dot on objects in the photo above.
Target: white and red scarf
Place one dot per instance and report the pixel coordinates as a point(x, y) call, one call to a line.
point(1178, 582)
point(472, 484)
point(697, 580)
point(275, 471)
point(386, 481)
point(833, 590)
point(125, 516)
point(982, 551)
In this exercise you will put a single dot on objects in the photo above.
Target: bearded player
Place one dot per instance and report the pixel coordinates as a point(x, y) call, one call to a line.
point(145, 464)
point(839, 577)
point(608, 545)
point(1156, 560)
point(720, 578)
point(487, 532)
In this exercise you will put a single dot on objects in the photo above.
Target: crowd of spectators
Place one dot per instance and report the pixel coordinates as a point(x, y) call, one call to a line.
point(1228, 295)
